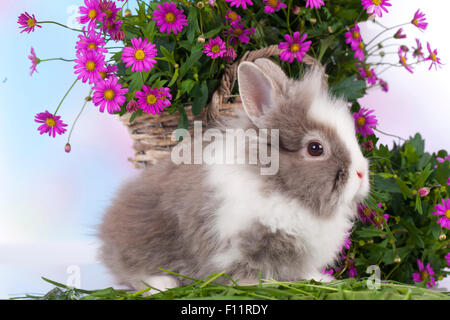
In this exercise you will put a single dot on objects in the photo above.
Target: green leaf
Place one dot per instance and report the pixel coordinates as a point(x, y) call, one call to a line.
point(200, 101)
point(425, 174)
point(168, 55)
point(350, 88)
point(190, 62)
point(388, 185)
point(418, 204)
point(174, 78)
point(187, 85)
point(405, 190)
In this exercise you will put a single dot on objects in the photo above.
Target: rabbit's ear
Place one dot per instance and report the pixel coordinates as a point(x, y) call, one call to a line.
point(257, 90)
point(273, 70)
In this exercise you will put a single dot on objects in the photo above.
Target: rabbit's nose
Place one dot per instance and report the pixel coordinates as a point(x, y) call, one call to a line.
point(360, 174)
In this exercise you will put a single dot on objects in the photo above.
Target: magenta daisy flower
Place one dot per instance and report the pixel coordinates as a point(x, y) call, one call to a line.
point(132, 106)
point(417, 53)
point(435, 61)
point(215, 48)
point(151, 100)
point(109, 8)
point(238, 32)
point(91, 14)
point(93, 41)
point(240, 3)
point(50, 124)
point(34, 61)
point(89, 65)
point(273, 5)
point(232, 16)
point(165, 96)
point(230, 55)
point(399, 34)
point(403, 60)
point(294, 47)
point(425, 274)
point(448, 181)
point(353, 37)
point(443, 211)
point(365, 122)
point(369, 75)
point(376, 6)
point(27, 22)
point(113, 28)
point(359, 51)
point(110, 72)
point(140, 55)
point(419, 20)
point(447, 257)
point(384, 85)
point(316, 4)
point(109, 94)
point(169, 18)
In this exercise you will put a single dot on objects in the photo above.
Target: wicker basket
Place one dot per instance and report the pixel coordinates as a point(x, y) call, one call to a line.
point(152, 133)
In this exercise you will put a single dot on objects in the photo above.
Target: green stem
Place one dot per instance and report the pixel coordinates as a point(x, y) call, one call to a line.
point(59, 24)
point(55, 59)
point(65, 96)
point(78, 116)
point(386, 30)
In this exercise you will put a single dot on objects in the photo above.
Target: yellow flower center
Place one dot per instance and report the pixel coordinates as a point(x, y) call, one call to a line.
point(31, 23)
point(361, 45)
point(109, 94)
point(369, 73)
point(433, 56)
point(376, 2)
point(295, 47)
point(92, 14)
point(237, 32)
point(233, 15)
point(361, 122)
point(90, 65)
point(102, 74)
point(403, 60)
point(151, 99)
point(367, 212)
point(447, 214)
point(108, 13)
point(50, 122)
point(423, 275)
point(415, 22)
point(272, 3)
point(356, 35)
point(170, 17)
point(92, 45)
point(215, 48)
point(139, 55)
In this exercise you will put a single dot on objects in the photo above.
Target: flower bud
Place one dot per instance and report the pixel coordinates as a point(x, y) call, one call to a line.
point(423, 192)
point(128, 13)
point(68, 148)
point(397, 259)
point(313, 20)
point(88, 98)
point(200, 5)
point(201, 39)
point(370, 241)
point(442, 237)
point(132, 106)
point(361, 243)
point(296, 9)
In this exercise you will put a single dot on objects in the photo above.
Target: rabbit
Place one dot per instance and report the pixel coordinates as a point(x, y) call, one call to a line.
point(200, 219)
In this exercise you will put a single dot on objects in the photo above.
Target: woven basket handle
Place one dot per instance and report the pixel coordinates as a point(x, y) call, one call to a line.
point(230, 75)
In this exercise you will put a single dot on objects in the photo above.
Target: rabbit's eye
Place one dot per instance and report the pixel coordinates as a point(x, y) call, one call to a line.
point(315, 149)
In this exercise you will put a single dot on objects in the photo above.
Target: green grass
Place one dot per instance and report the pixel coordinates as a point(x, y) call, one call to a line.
point(206, 289)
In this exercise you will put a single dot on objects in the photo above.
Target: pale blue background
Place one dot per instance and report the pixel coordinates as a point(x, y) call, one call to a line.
point(50, 201)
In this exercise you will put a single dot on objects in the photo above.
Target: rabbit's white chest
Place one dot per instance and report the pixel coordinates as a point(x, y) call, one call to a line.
point(243, 204)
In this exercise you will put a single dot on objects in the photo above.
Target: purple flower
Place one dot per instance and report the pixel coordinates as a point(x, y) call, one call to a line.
point(132, 106)
point(376, 6)
point(359, 51)
point(294, 47)
point(232, 16)
point(153, 101)
point(417, 53)
point(34, 61)
point(426, 273)
point(240, 3)
point(435, 61)
point(93, 41)
point(423, 192)
point(89, 65)
point(140, 55)
point(419, 20)
point(273, 5)
point(384, 85)
point(403, 60)
point(316, 4)
point(27, 22)
point(399, 34)
point(91, 14)
point(109, 94)
point(230, 55)
point(365, 122)
point(51, 124)
point(238, 32)
point(447, 257)
point(443, 211)
point(353, 37)
point(369, 75)
point(215, 48)
point(169, 18)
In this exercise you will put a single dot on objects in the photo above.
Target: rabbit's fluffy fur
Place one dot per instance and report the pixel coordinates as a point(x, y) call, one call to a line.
point(200, 219)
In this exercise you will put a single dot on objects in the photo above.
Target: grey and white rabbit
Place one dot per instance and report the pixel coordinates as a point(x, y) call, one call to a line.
point(196, 220)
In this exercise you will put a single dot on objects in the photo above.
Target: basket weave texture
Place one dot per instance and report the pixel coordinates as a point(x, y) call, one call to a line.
point(152, 134)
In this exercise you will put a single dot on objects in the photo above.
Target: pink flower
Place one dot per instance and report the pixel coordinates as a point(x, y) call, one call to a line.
point(91, 14)
point(34, 61)
point(89, 65)
point(153, 101)
point(232, 16)
point(417, 53)
point(109, 94)
point(435, 61)
point(365, 122)
point(426, 273)
point(140, 55)
point(132, 106)
point(169, 18)
point(419, 20)
point(316, 4)
point(50, 124)
point(240, 3)
point(447, 257)
point(369, 75)
point(368, 145)
point(359, 51)
point(443, 211)
point(403, 60)
point(423, 192)
point(294, 47)
point(399, 34)
point(273, 5)
point(215, 48)
point(109, 8)
point(93, 41)
point(230, 55)
point(113, 28)
point(448, 181)
point(375, 6)
point(110, 70)
point(328, 272)
point(384, 85)
point(238, 32)
point(27, 22)
point(353, 37)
